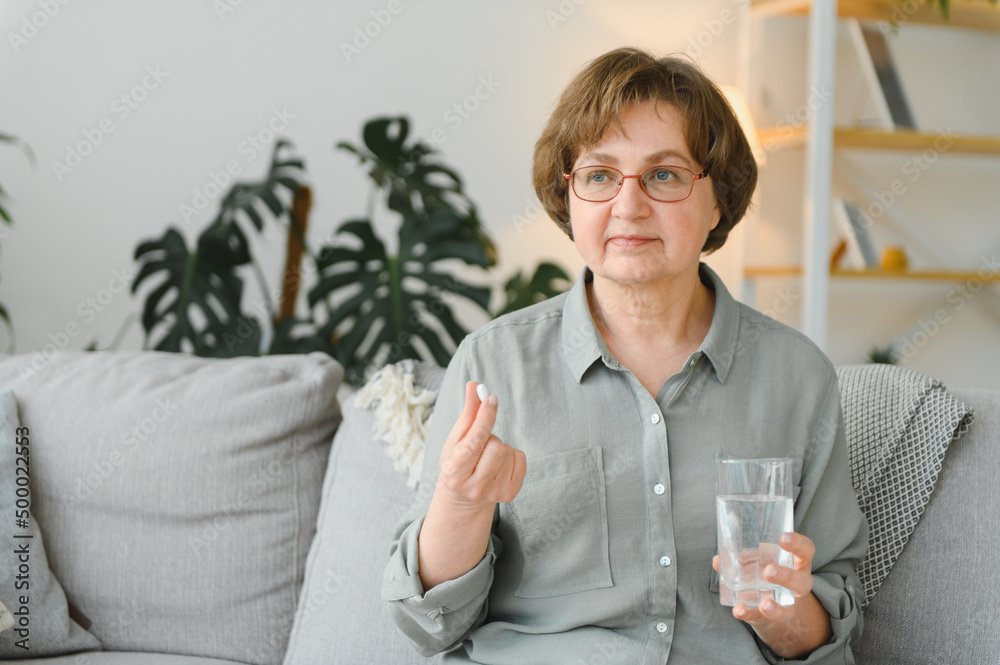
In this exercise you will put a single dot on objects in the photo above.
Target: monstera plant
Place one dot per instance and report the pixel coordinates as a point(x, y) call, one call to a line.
point(6, 219)
point(390, 304)
point(368, 305)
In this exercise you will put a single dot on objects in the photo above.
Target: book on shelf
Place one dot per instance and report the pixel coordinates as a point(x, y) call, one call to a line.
point(861, 249)
point(882, 78)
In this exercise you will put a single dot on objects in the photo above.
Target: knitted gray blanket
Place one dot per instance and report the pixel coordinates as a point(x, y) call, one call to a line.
point(899, 424)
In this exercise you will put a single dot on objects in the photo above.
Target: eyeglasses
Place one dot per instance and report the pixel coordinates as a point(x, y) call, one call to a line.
point(667, 184)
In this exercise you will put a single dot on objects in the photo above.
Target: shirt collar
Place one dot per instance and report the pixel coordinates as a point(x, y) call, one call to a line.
point(720, 343)
point(582, 344)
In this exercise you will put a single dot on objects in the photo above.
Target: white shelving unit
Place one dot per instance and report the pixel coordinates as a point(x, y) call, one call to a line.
point(821, 138)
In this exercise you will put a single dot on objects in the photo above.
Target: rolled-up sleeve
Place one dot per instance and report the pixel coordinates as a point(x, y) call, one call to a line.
point(435, 620)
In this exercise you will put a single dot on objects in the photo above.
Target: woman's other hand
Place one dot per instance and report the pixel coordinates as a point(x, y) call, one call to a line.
point(790, 631)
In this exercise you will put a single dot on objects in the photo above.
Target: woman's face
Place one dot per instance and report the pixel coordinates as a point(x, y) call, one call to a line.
point(632, 238)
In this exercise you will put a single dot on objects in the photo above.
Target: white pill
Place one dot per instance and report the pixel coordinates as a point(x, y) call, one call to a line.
point(482, 392)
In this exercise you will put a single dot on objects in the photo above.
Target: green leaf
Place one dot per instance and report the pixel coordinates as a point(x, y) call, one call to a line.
point(243, 198)
point(19, 143)
point(382, 304)
point(202, 281)
point(26, 149)
point(885, 355)
point(293, 335)
point(224, 244)
point(411, 180)
point(10, 329)
point(445, 234)
point(549, 280)
point(243, 339)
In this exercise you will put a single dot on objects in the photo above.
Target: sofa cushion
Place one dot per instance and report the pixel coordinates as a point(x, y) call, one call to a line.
point(341, 617)
point(178, 495)
point(899, 424)
point(42, 626)
point(125, 658)
point(934, 607)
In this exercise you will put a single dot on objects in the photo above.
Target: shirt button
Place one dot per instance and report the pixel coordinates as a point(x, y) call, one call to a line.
point(655, 418)
point(665, 561)
point(658, 488)
point(661, 627)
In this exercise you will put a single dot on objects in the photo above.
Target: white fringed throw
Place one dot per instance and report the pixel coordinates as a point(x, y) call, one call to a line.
point(402, 410)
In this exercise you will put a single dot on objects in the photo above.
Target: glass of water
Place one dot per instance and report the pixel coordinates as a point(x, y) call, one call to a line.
point(753, 508)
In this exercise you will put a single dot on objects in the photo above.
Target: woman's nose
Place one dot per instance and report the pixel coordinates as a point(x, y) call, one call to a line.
point(631, 201)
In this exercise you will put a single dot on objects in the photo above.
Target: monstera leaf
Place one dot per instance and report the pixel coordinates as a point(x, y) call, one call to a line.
point(295, 335)
point(549, 280)
point(413, 182)
point(385, 308)
point(197, 302)
point(246, 197)
point(5, 216)
point(13, 140)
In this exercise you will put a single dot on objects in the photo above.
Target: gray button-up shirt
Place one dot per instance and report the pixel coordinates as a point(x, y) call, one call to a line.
point(606, 552)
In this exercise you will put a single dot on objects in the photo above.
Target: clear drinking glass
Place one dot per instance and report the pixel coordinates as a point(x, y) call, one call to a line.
point(753, 508)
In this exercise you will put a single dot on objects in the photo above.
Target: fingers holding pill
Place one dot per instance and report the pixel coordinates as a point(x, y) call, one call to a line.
point(475, 464)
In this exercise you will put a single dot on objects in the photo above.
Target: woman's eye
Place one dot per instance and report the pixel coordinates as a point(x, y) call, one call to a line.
point(663, 175)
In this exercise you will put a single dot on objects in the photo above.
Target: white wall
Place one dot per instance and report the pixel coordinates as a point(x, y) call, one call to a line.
point(224, 74)
point(221, 74)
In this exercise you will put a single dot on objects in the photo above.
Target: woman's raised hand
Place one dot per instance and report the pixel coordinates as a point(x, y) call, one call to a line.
point(477, 469)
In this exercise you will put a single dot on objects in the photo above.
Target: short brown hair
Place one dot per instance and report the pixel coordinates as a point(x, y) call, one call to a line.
point(595, 101)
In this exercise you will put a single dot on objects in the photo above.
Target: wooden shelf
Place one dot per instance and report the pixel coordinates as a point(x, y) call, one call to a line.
point(754, 272)
point(876, 139)
point(978, 14)
point(826, 19)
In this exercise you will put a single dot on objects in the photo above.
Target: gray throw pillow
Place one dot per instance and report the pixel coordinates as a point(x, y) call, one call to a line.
point(179, 494)
point(28, 589)
point(341, 616)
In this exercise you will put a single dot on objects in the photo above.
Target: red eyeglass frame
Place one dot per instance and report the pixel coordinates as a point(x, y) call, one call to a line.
point(695, 177)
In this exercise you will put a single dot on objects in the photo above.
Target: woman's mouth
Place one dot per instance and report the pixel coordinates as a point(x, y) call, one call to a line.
point(630, 241)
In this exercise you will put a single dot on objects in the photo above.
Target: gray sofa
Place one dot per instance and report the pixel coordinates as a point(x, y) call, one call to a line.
point(190, 511)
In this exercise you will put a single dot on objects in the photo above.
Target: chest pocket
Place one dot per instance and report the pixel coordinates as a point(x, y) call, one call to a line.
point(561, 521)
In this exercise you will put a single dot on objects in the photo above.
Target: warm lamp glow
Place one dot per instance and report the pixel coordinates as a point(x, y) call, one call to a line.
point(739, 103)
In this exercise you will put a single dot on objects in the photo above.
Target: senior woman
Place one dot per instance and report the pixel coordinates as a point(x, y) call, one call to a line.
point(569, 517)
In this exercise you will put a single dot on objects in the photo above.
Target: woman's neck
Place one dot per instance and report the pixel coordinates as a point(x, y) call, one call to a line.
point(652, 328)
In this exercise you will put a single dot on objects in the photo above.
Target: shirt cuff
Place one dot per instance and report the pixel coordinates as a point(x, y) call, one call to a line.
point(436, 619)
point(842, 601)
